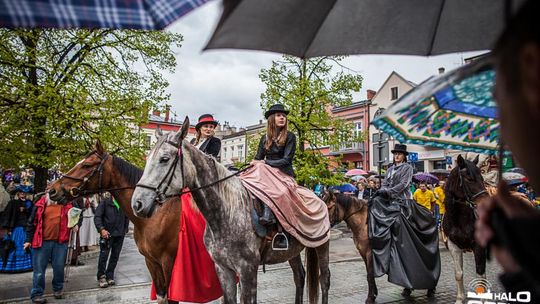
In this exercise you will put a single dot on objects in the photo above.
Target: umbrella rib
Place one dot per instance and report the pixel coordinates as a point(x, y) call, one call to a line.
point(436, 28)
point(317, 31)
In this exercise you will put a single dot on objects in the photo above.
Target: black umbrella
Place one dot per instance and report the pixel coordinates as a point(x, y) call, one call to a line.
point(311, 28)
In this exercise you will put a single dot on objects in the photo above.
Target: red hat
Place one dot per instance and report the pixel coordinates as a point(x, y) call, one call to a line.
point(206, 119)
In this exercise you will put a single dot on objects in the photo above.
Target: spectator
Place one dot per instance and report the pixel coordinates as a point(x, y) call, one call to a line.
point(439, 197)
point(505, 223)
point(15, 218)
point(76, 252)
point(88, 233)
point(47, 233)
point(360, 190)
point(370, 190)
point(112, 225)
point(424, 197)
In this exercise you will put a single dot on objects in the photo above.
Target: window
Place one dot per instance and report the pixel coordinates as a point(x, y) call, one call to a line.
point(395, 94)
point(358, 128)
point(225, 152)
point(240, 151)
point(439, 164)
point(148, 141)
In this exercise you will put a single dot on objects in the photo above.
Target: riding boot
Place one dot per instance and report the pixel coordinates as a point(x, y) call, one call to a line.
point(268, 217)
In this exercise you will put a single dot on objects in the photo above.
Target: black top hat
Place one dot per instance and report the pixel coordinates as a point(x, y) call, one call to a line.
point(401, 149)
point(206, 119)
point(277, 108)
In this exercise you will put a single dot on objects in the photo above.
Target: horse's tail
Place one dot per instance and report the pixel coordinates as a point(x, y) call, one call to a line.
point(312, 272)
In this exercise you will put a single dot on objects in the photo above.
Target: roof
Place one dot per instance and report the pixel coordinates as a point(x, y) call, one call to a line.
point(355, 104)
point(160, 119)
point(233, 135)
point(412, 84)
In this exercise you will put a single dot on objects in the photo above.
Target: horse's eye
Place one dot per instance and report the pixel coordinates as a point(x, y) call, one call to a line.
point(163, 159)
point(86, 166)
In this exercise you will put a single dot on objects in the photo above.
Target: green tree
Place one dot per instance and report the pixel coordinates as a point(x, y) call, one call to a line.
point(61, 89)
point(310, 88)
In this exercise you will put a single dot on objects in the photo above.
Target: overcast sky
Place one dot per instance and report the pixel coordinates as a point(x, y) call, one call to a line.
point(226, 83)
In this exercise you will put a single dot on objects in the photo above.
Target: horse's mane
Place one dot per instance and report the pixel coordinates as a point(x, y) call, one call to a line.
point(130, 172)
point(231, 189)
point(346, 201)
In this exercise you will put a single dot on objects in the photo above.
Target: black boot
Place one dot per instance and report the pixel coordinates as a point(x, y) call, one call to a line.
point(268, 217)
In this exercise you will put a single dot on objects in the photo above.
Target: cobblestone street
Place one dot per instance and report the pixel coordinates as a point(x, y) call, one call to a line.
point(348, 282)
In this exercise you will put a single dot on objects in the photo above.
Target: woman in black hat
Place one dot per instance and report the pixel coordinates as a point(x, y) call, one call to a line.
point(398, 179)
point(205, 140)
point(276, 148)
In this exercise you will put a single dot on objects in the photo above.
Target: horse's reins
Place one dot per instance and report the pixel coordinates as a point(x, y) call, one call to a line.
point(179, 157)
point(78, 191)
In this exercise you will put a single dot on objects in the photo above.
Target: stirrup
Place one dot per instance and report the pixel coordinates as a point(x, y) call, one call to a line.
point(274, 242)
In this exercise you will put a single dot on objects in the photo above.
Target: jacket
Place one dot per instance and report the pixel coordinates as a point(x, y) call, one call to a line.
point(398, 181)
point(34, 227)
point(211, 146)
point(110, 218)
point(279, 157)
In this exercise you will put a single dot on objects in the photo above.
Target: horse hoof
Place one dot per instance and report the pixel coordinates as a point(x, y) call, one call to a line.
point(431, 293)
point(406, 292)
point(370, 300)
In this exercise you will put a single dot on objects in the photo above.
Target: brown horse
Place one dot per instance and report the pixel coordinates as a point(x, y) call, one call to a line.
point(354, 212)
point(464, 189)
point(174, 164)
point(99, 172)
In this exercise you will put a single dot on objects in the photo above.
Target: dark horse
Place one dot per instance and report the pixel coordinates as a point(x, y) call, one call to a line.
point(464, 189)
point(173, 165)
point(99, 172)
point(354, 212)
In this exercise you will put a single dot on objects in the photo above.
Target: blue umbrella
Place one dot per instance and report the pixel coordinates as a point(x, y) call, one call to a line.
point(344, 188)
point(455, 110)
point(133, 14)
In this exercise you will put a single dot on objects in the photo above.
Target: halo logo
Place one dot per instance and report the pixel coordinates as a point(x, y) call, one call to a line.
point(479, 292)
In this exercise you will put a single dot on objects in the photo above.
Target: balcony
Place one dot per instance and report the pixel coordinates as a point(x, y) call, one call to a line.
point(347, 148)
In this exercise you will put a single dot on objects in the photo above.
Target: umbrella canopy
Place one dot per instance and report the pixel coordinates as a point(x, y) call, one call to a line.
point(311, 28)
point(425, 177)
point(133, 14)
point(344, 188)
point(354, 172)
point(357, 178)
point(514, 179)
point(461, 114)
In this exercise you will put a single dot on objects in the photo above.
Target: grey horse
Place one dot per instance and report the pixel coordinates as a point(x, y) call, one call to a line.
point(173, 165)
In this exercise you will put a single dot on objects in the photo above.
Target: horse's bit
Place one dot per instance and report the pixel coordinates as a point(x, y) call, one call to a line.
point(77, 191)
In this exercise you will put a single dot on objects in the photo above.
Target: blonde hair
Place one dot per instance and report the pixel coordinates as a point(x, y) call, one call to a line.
point(273, 134)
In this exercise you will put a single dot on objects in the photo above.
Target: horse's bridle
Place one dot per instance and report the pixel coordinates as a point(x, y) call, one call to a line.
point(162, 188)
point(469, 198)
point(78, 191)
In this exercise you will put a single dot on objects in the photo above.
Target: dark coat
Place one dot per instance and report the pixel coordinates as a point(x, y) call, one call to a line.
point(110, 218)
point(279, 157)
point(16, 214)
point(211, 146)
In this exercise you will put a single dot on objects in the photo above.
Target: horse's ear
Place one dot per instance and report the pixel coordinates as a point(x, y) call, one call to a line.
point(98, 147)
point(180, 135)
point(476, 159)
point(158, 132)
point(461, 162)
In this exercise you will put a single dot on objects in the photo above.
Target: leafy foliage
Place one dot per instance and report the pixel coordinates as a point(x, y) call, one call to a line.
point(310, 88)
point(61, 89)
